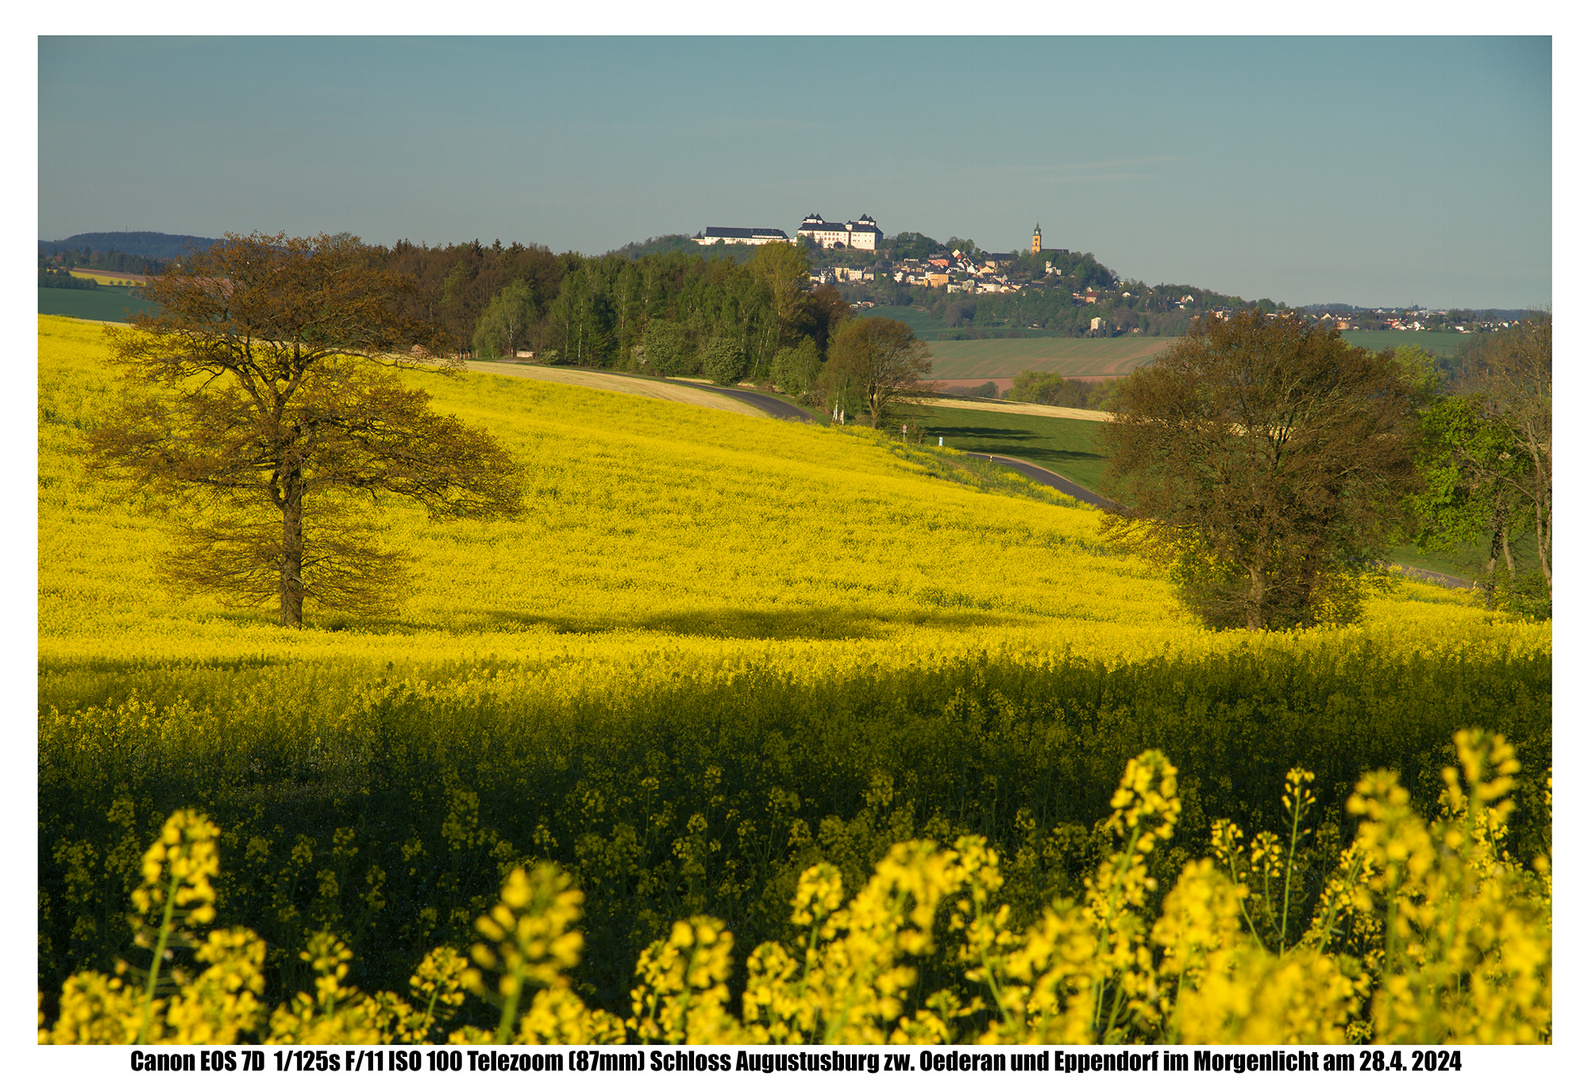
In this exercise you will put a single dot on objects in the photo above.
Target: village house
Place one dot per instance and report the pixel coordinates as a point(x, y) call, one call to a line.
point(833, 274)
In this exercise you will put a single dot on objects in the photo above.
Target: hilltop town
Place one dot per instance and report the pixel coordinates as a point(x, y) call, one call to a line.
point(1039, 290)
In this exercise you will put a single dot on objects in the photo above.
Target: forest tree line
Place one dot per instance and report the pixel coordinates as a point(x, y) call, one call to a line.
point(88, 258)
point(662, 313)
point(64, 279)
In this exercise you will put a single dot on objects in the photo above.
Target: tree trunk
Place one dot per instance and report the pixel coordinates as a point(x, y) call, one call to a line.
point(1542, 530)
point(1254, 599)
point(1494, 555)
point(292, 547)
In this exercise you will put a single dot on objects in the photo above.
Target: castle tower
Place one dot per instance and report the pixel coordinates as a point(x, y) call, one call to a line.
point(1036, 240)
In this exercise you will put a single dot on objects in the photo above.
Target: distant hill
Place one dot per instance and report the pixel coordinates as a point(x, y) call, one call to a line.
point(149, 245)
point(656, 244)
point(661, 245)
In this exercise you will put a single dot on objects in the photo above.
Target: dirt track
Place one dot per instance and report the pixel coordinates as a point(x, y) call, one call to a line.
point(600, 380)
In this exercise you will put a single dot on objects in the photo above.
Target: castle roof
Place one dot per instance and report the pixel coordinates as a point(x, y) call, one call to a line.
point(816, 223)
point(729, 233)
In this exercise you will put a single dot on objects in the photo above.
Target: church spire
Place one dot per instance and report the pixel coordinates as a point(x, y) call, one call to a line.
point(1036, 240)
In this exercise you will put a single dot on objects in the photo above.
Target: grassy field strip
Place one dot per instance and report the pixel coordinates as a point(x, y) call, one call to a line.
point(1069, 357)
point(1092, 357)
point(1020, 407)
point(596, 380)
point(1437, 342)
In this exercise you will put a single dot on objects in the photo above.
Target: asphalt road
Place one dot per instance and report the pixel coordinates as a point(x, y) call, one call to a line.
point(1050, 478)
point(775, 407)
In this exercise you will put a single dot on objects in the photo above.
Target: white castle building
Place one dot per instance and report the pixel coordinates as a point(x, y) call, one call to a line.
point(715, 233)
point(862, 235)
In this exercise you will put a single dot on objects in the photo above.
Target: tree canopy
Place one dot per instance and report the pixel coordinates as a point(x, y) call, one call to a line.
point(1516, 389)
point(1051, 388)
point(262, 397)
point(504, 326)
point(1266, 458)
point(1486, 455)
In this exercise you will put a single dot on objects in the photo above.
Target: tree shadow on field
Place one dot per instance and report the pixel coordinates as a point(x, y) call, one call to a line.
point(814, 624)
point(1034, 446)
point(970, 431)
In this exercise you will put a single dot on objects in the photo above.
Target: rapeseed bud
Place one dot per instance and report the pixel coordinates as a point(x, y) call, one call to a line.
point(334, 1013)
point(682, 993)
point(176, 883)
point(221, 1003)
point(528, 939)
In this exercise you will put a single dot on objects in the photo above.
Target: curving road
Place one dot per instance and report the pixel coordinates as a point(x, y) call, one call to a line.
point(1091, 498)
point(774, 407)
point(1050, 478)
point(1434, 577)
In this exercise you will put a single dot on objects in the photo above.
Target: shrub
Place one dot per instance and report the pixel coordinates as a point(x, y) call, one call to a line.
point(723, 361)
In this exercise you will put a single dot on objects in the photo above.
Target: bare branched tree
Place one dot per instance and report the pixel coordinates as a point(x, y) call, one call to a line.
point(262, 398)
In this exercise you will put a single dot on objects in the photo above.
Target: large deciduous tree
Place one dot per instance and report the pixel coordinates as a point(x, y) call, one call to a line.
point(262, 399)
point(881, 360)
point(1265, 457)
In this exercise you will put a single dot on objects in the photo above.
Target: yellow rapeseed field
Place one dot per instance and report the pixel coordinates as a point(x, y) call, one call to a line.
point(657, 532)
point(105, 277)
point(727, 670)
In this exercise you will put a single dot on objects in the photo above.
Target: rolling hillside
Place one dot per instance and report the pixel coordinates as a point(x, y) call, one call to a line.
point(154, 245)
point(1003, 358)
point(715, 651)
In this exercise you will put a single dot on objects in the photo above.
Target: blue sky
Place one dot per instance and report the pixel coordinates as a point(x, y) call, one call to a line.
point(1361, 170)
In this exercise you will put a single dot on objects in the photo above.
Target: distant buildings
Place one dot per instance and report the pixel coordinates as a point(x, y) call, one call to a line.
point(1038, 249)
point(958, 271)
point(861, 235)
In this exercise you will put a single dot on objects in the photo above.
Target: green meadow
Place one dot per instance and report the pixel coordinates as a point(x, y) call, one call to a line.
point(108, 303)
point(1066, 446)
point(1069, 447)
point(1435, 342)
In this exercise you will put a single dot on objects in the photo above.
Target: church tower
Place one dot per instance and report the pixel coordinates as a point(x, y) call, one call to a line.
point(1036, 240)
